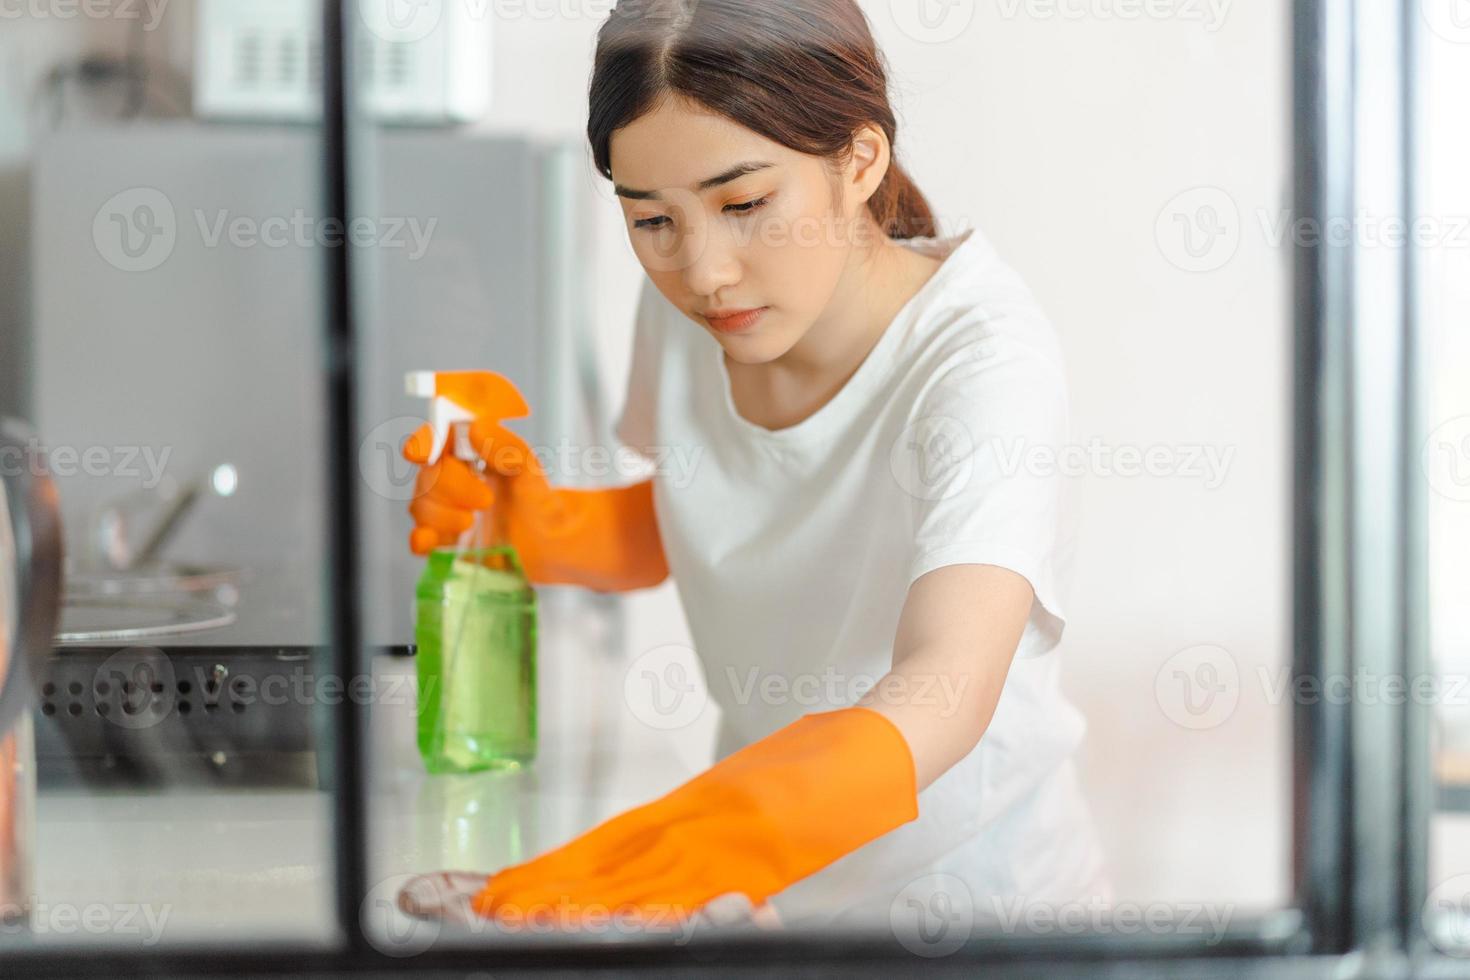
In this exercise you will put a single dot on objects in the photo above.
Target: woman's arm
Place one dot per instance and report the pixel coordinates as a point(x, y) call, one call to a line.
point(601, 538)
point(957, 635)
point(605, 539)
point(780, 808)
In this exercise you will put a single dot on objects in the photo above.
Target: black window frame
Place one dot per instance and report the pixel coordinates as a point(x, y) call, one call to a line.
point(1362, 786)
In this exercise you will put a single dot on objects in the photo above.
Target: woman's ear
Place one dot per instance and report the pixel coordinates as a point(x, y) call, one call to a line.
point(870, 158)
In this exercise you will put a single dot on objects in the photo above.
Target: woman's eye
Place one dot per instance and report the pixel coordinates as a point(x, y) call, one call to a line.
point(662, 221)
point(748, 205)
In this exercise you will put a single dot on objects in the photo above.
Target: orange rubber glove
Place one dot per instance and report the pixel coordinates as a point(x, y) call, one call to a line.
point(605, 539)
point(759, 820)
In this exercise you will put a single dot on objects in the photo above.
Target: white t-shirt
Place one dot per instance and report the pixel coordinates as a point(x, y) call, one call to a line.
point(793, 549)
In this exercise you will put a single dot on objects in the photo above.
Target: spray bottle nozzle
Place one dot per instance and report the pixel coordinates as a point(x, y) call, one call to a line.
point(463, 396)
point(457, 398)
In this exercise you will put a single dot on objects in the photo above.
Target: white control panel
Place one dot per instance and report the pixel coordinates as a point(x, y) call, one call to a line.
point(414, 61)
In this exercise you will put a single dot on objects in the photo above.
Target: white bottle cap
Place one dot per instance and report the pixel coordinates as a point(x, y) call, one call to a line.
point(420, 384)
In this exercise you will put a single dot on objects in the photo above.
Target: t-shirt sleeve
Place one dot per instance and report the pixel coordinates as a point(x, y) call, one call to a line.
point(979, 462)
point(634, 426)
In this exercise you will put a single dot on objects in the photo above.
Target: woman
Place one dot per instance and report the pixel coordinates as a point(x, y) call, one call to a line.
point(864, 522)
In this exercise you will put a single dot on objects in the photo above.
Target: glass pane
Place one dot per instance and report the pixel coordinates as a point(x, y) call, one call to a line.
point(160, 322)
point(1445, 302)
point(1133, 171)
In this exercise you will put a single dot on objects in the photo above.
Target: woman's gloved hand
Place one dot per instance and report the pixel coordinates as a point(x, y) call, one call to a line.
point(762, 819)
point(450, 896)
point(604, 539)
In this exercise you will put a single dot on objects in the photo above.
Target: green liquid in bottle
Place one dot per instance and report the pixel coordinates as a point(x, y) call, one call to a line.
point(476, 635)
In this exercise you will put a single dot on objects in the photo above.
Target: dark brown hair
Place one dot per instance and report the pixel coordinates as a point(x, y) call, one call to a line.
point(803, 73)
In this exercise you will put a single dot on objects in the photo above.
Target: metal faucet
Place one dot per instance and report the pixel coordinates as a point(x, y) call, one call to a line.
point(111, 533)
point(30, 592)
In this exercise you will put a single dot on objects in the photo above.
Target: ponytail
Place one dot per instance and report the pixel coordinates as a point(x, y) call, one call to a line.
point(900, 208)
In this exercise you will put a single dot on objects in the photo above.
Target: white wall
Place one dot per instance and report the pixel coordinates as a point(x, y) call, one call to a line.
point(1065, 139)
point(1446, 310)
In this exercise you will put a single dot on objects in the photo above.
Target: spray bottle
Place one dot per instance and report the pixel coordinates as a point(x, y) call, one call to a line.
point(475, 622)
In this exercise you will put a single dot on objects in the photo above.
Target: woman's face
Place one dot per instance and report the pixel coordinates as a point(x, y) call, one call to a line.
point(726, 220)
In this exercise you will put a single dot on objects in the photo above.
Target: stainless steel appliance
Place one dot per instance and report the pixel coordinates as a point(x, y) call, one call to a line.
point(200, 368)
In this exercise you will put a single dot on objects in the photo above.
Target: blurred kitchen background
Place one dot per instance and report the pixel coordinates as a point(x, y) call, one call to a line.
point(1136, 171)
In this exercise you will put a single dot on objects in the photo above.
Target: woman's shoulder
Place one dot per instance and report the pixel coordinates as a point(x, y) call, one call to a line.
point(983, 323)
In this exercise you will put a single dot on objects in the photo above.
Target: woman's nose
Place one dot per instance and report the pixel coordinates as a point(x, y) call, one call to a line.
point(711, 264)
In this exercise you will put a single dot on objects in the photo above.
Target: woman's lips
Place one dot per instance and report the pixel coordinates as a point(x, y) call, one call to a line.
point(735, 321)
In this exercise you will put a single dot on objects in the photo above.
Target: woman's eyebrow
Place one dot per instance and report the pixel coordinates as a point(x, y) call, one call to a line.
point(724, 177)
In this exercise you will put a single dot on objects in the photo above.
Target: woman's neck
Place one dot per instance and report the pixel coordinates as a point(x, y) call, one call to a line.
point(873, 287)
